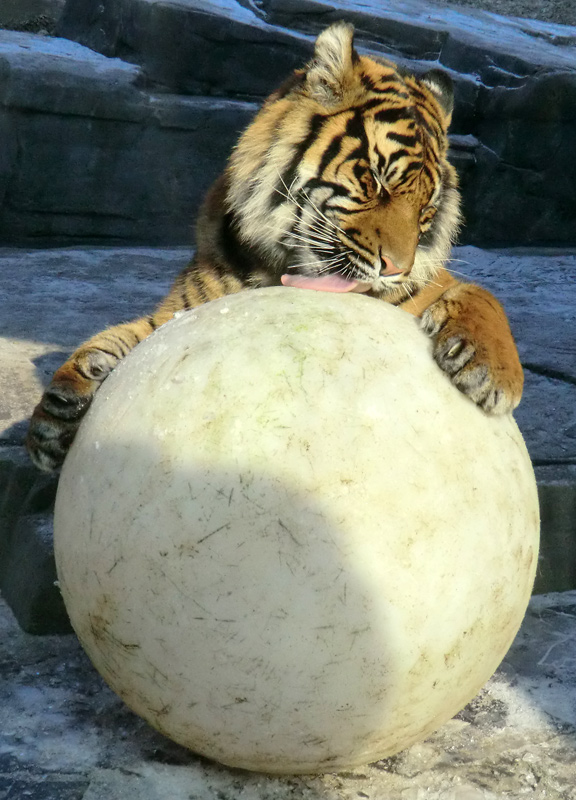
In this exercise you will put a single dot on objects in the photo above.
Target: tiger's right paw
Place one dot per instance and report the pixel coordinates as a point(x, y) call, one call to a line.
point(58, 415)
point(49, 437)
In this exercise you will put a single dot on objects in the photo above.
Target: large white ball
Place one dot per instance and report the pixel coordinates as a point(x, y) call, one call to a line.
point(286, 540)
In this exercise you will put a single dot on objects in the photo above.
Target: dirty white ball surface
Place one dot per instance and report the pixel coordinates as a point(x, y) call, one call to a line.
point(286, 540)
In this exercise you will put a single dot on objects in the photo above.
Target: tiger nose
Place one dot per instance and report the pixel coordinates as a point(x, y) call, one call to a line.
point(388, 267)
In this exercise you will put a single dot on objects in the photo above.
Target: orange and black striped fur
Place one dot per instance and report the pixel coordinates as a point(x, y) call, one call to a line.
point(343, 171)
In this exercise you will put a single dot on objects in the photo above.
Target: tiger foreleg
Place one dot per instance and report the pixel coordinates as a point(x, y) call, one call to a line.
point(474, 345)
point(67, 398)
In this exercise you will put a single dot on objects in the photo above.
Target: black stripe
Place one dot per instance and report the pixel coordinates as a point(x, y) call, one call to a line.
point(355, 125)
point(199, 286)
point(367, 82)
point(359, 171)
point(127, 347)
point(359, 152)
point(424, 124)
point(374, 102)
point(356, 129)
point(396, 156)
point(240, 258)
point(351, 234)
point(419, 95)
point(318, 183)
point(84, 373)
point(413, 166)
point(381, 159)
point(330, 153)
point(349, 211)
point(393, 91)
point(184, 298)
point(108, 352)
point(401, 138)
point(391, 115)
point(428, 172)
point(287, 178)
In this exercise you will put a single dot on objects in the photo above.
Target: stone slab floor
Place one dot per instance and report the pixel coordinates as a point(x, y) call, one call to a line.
point(65, 736)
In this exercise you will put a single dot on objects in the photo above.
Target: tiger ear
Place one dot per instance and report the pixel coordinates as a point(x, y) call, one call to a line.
point(330, 73)
point(442, 87)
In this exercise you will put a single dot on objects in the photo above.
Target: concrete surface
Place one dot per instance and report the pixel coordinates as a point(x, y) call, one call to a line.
point(65, 736)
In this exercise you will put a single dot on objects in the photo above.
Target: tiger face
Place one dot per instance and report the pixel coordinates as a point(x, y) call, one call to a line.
point(342, 181)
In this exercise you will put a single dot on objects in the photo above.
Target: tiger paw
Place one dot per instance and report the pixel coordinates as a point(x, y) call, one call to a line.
point(473, 344)
point(58, 415)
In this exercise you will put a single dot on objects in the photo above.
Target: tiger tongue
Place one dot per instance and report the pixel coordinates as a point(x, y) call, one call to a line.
point(324, 283)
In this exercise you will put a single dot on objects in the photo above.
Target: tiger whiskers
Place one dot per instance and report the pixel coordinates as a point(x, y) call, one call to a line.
point(314, 239)
point(323, 216)
point(407, 289)
point(314, 235)
point(320, 230)
point(426, 259)
point(304, 242)
point(434, 263)
point(445, 265)
point(329, 262)
point(456, 272)
point(289, 195)
point(423, 282)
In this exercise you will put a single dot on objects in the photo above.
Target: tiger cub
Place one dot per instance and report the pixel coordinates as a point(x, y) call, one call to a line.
point(341, 183)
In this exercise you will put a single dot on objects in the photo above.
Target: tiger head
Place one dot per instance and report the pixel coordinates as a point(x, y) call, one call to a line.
point(343, 174)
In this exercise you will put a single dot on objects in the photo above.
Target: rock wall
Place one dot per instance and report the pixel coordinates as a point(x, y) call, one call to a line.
point(88, 155)
point(112, 131)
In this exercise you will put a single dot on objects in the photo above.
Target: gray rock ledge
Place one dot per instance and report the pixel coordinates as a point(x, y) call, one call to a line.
point(116, 141)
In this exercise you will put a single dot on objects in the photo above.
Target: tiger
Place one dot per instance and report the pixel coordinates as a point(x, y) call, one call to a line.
point(340, 183)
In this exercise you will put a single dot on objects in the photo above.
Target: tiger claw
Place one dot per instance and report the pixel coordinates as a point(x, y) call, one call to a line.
point(453, 354)
point(63, 403)
point(473, 345)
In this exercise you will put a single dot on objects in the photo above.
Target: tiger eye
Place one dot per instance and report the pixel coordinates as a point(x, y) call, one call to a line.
point(367, 180)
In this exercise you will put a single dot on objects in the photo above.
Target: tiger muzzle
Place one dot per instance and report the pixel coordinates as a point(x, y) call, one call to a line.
point(387, 235)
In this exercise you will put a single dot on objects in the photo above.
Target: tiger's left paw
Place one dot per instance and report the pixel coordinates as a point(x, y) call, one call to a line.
point(473, 344)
